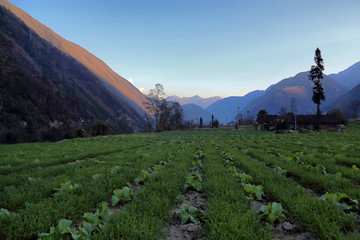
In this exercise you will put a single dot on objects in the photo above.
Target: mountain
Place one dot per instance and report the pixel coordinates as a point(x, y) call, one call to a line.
point(350, 77)
point(202, 102)
point(349, 104)
point(112, 81)
point(194, 112)
point(226, 109)
point(45, 92)
point(298, 87)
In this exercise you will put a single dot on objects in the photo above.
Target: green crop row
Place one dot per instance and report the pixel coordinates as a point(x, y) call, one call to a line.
point(228, 209)
point(147, 215)
point(319, 217)
point(38, 217)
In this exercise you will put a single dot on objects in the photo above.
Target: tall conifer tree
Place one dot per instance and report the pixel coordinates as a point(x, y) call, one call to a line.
point(315, 75)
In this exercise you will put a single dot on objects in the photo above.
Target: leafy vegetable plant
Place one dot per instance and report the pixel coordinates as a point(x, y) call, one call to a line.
point(197, 165)
point(143, 176)
point(279, 170)
point(59, 232)
point(272, 212)
point(193, 181)
point(96, 176)
point(123, 195)
point(115, 169)
point(67, 187)
point(189, 213)
point(158, 167)
point(95, 221)
point(243, 177)
point(321, 168)
point(4, 213)
point(254, 190)
point(342, 201)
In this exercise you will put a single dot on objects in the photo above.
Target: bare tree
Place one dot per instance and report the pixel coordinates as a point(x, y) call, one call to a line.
point(152, 104)
point(166, 115)
point(283, 111)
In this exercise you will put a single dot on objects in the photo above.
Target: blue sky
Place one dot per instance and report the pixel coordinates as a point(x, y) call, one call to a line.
point(206, 47)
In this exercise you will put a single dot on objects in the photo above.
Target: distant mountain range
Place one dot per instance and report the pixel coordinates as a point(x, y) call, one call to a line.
point(350, 77)
point(298, 87)
point(46, 91)
point(347, 103)
point(202, 102)
point(194, 112)
point(339, 94)
point(226, 109)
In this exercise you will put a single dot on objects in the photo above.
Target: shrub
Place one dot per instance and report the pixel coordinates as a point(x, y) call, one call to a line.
point(100, 128)
point(69, 135)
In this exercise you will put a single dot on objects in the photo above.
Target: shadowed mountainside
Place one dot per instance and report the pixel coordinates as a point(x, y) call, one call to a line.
point(349, 104)
point(111, 80)
point(194, 112)
point(226, 109)
point(350, 77)
point(46, 92)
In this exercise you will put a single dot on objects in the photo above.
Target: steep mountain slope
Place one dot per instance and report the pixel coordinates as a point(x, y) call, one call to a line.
point(115, 83)
point(226, 109)
point(298, 87)
point(46, 92)
point(194, 112)
point(349, 104)
point(202, 102)
point(350, 77)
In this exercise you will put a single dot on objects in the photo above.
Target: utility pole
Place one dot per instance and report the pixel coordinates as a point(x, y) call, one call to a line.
point(295, 117)
point(238, 118)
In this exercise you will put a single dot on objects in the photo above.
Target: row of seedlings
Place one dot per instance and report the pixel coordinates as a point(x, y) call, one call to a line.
point(270, 212)
point(43, 183)
point(72, 201)
point(20, 179)
point(321, 218)
point(186, 221)
point(229, 212)
point(307, 174)
point(94, 222)
point(342, 149)
point(319, 160)
point(328, 187)
point(331, 187)
point(57, 153)
point(146, 216)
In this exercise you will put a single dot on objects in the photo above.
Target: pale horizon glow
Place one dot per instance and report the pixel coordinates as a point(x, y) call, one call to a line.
point(207, 47)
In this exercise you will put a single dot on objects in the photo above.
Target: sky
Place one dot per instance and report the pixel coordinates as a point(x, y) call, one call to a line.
point(207, 47)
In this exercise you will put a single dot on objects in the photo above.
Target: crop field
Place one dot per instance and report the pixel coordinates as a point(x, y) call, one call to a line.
point(210, 184)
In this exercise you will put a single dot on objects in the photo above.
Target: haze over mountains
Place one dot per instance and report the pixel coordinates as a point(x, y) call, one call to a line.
point(202, 102)
point(340, 89)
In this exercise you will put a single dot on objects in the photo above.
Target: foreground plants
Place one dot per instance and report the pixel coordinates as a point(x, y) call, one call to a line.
point(340, 200)
point(92, 223)
point(189, 214)
point(273, 212)
point(122, 196)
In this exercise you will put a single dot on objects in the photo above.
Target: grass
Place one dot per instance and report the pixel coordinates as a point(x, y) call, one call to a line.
point(31, 172)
